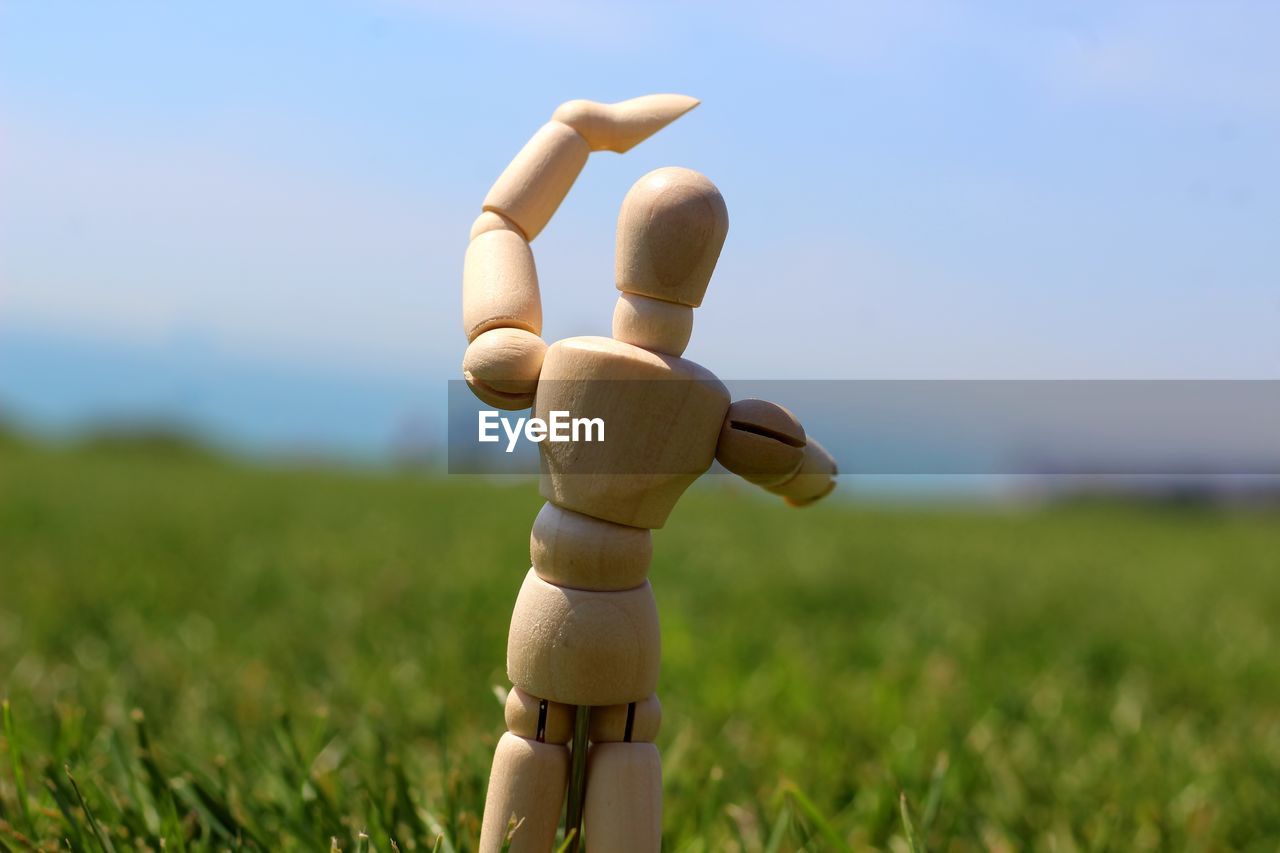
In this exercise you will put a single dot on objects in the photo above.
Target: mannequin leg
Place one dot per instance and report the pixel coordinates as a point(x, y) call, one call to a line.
point(527, 783)
point(624, 782)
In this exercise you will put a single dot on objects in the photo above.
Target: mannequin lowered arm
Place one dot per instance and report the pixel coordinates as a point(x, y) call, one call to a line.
point(764, 444)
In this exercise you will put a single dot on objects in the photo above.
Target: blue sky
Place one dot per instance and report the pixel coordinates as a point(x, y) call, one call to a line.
point(252, 216)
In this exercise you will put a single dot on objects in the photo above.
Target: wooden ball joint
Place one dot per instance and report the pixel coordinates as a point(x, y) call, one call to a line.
point(583, 649)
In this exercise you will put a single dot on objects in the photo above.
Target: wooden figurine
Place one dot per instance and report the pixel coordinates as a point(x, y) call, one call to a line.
point(583, 647)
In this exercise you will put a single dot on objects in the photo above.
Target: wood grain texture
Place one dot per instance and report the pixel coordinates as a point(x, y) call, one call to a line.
point(609, 724)
point(530, 189)
point(652, 324)
point(814, 480)
point(761, 442)
point(624, 798)
point(527, 785)
point(501, 367)
point(621, 126)
point(491, 220)
point(662, 418)
point(500, 285)
point(575, 550)
point(584, 648)
point(671, 228)
point(523, 712)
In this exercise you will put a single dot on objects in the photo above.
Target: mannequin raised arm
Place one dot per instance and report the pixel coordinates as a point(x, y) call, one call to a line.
point(764, 444)
point(501, 306)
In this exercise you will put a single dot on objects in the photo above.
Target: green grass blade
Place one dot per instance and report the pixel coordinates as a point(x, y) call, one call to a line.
point(220, 811)
point(404, 810)
point(568, 841)
point(913, 840)
point(161, 791)
point(778, 833)
point(934, 798)
point(103, 841)
point(19, 777)
point(63, 800)
point(322, 812)
point(816, 817)
point(441, 837)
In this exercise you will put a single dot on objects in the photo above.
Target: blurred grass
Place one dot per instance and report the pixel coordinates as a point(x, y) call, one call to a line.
point(212, 655)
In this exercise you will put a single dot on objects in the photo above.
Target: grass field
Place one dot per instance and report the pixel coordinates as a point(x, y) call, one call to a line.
point(200, 654)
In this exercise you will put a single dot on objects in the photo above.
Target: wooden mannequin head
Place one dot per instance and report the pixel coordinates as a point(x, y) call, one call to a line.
point(670, 230)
